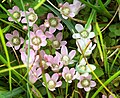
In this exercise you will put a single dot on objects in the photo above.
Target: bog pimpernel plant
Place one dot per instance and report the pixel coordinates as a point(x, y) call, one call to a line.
point(59, 49)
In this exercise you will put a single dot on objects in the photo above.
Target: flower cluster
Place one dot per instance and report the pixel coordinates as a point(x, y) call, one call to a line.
point(49, 36)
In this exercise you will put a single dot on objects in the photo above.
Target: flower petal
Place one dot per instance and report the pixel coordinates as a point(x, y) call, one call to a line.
point(15, 33)
point(64, 50)
point(55, 77)
point(91, 35)
point(52, 29)
point(76, 35)
point(72, 54)
point(8, 36)
point(87, 89)
point(47, 77)
point(59, 83)
point(93, 67)
point(50, 15)
point(89, 28)
point(79, 27)
point(59, 36)
point(60, 26)
point(92, 83)
point(79, 85)
point(17, 47)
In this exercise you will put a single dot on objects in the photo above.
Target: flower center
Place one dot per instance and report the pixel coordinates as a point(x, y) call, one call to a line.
point(44, 64)
point(66, 60)
point(85, 83)
point(16, 15)
point(16, 41)
point(68, 76)
point(31, 17)
point(65, 11)
point(53, 22)
point(55, 66)
point(84, 34)
point(51, 84)
point(56, 44)
point(36, 40)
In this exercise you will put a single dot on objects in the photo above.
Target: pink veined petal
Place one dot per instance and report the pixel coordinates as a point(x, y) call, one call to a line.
point(9, 44)
point(60, 26)
point(66, 4)
point(72, 54)
point(63, 43)
point(50, 15)
point(64, 50)
point(42, 53)
point(31, 23)
point(66, 70)
point(15, 8)
point(52, 29)
point(8, 36)
point(44, 43)
point(31, 10)
point(103, 96)
point(10, 19)
point(110, 96)
point(17, 47)
point(11, 11)
point(39, 33)
point(47, 77)
point(87, 89)
point(39, 71)
point(32, 34)
point(35, 27)
point(79, 27)
point(15, 33)
point(79, 85)
point(48, 34)
point(92, 83)
point(36, 47)
point(72, 14)
point(65, 17)
point(24, 20)
point(22, 40)
point(89, 77)
point(83, 62)
point(58, 84)
point(91, 35)
point(89, 28)
point(55, 77)
point(59, 36)
point(72, 71)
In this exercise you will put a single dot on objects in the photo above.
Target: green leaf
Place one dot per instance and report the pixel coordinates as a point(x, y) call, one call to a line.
point(43, 90)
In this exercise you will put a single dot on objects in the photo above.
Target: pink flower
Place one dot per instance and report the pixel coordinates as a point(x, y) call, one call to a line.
point(65, 57)
point(34, 73)
point(14, 40)
point(53, 23)
point(57, 41)
point(52, 82)
point(17, 14)
point(68, 75)
point(32, 17)
point(44, 58)
point(56, 64)
point(37, 39)
point(66, 10)
point(86, 83)
point(24, 57)
point(110, 96)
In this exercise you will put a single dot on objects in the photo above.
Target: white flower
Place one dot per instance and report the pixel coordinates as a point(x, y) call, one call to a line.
point(85, 46)
point(84, 68)
point(83, 33)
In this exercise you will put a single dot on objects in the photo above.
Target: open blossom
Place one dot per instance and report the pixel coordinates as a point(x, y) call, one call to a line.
point(44, 57)
point(85, 46)
point(66, 10)
point(14, 40)
point(83, 33)
point(24, 57)
point(56, 64)
point(53, 23)
point(52, 82)
point(17, 14)
point(57, 41)
point(65, 57)
point(37, 39)
point(86, 83)
point(77, 6)
point(83, 67)
point(32, 17)
point(110, 96)
point(68, 74)
point(34, 74)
